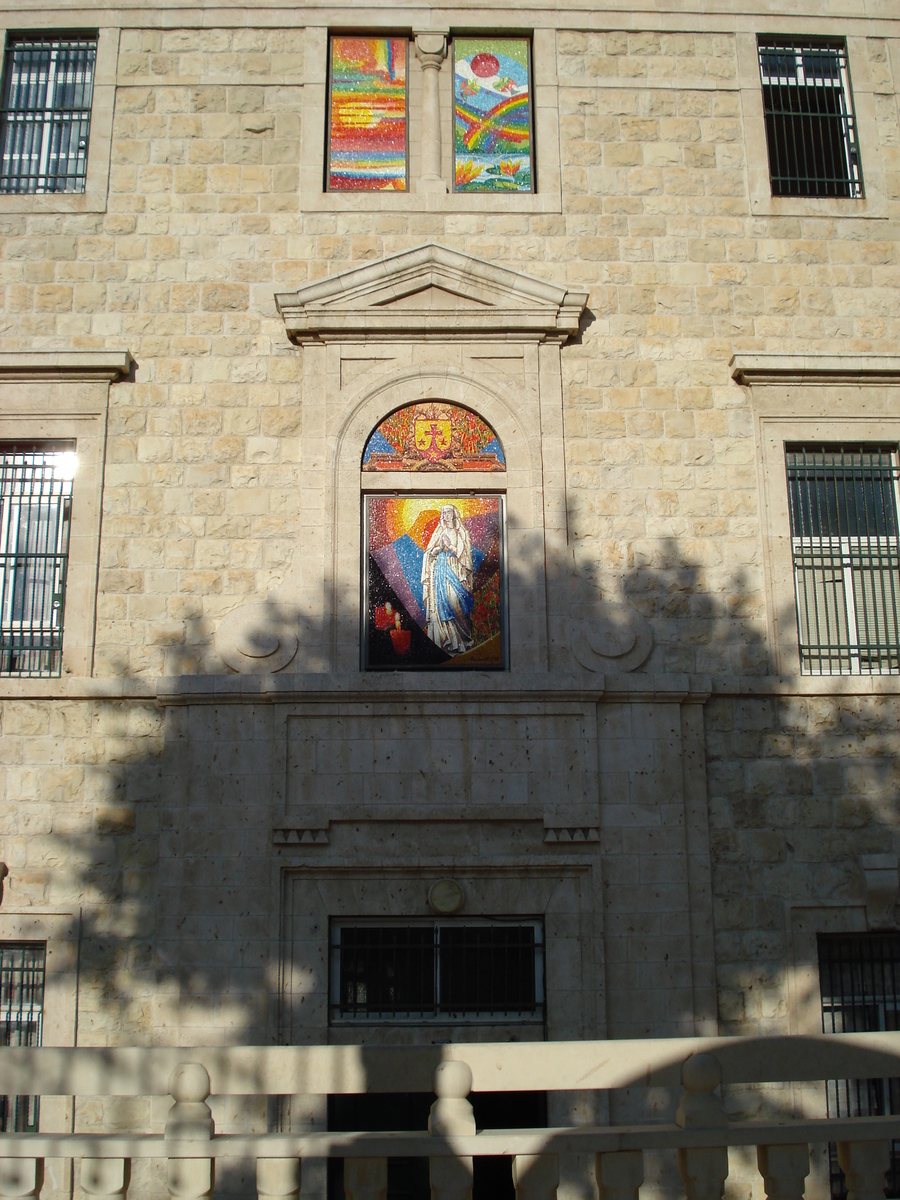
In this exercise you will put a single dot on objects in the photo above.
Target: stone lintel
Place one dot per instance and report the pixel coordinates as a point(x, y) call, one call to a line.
point(25, 365)
point(774, 368)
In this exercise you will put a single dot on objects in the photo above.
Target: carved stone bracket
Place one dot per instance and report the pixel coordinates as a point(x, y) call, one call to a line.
point(604, 635)
point(257, 638)
point(881, 878)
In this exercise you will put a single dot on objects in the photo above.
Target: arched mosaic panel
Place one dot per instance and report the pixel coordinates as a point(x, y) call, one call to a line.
point(432, 436)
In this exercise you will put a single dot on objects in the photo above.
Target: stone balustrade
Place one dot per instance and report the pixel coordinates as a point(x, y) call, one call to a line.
point(700, 1136)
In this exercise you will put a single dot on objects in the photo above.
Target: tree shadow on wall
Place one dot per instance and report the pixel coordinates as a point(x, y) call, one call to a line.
point(154, 815)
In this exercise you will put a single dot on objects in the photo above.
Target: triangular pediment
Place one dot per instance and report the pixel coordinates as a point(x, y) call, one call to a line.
point(430, 291)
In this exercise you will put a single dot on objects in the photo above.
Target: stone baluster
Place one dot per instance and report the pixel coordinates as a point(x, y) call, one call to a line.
point(864, 1164)
point(190, 1120)
point(21, 1177)
point(535, 1176)
point(278, 1178)
point(703, 1169)
point(365, 1178)
point(620, 1174)
point(106, 1178)
point(451, 1114)
point(431, 50)
point(784, 1170)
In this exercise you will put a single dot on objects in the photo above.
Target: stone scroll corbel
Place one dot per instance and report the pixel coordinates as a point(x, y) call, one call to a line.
point(881, 879)
point(258, 638)
point(604, 635)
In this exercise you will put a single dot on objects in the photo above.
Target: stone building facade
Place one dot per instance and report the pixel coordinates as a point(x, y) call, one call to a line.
point(657, 776)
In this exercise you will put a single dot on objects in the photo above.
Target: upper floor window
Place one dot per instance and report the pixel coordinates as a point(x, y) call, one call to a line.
point(810, 123)
point(45, 120)
point(35, 508)
point(844, 538)
point(367, 126)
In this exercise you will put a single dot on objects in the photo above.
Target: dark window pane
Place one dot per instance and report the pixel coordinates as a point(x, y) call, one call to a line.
point(486, 969)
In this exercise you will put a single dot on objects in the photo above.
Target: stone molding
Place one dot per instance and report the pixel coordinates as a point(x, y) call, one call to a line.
point(775, 368)
point(22, 366)
point(300, 835)
point(490, 301)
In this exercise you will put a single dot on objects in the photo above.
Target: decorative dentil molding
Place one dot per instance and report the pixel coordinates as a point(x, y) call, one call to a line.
point(431, 292)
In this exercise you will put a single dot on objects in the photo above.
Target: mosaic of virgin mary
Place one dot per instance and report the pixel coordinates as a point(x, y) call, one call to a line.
point(434, 583)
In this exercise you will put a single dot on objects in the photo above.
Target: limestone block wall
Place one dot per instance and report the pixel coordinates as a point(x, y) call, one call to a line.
point(206, 219)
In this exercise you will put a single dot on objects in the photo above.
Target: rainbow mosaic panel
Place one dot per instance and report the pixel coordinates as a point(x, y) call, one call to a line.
point(492, 117)
point(367, 126)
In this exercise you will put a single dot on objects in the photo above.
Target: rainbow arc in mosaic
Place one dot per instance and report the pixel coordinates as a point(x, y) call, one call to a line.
point(492, 115)
point(367, 130)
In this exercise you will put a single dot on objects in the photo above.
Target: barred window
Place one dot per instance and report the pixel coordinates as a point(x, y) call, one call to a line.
point(35, 506)
point(45, 120)
point(475, 971)
point(810, 123)
point(859, 976)
point(21, 1021)
point(844, 538)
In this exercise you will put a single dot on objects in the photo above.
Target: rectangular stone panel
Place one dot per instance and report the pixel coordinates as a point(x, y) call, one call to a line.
point(439, 758)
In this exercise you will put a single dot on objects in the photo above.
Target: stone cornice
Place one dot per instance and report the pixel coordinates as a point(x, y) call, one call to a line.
point(478, 301)
point(775, 368)
point(22, 366)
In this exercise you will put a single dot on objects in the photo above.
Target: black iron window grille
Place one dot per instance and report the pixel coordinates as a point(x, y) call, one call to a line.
point(810, 123)
point(45, 121)
point(859, 976)
point(437, 971)
point(844, 537)
point(35, 505)
point(21, 1022)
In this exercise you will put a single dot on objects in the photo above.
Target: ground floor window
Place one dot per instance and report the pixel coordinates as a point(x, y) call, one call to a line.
point(22, 967)
point(859, 980)
point(471, 970)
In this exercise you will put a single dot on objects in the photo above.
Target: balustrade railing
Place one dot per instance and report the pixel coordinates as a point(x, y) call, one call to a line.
point(700, 1135)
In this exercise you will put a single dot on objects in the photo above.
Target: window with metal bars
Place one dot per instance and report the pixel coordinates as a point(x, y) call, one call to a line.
point(437, 971)
point(859, 976)
point(844, 538)
point(810, 123)
point(22, 967)
point(35, 506)
point(45, 120)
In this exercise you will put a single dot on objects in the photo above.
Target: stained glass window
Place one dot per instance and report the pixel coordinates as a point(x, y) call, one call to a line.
point(367, 129)
point(492, 126)
point(433, 437)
